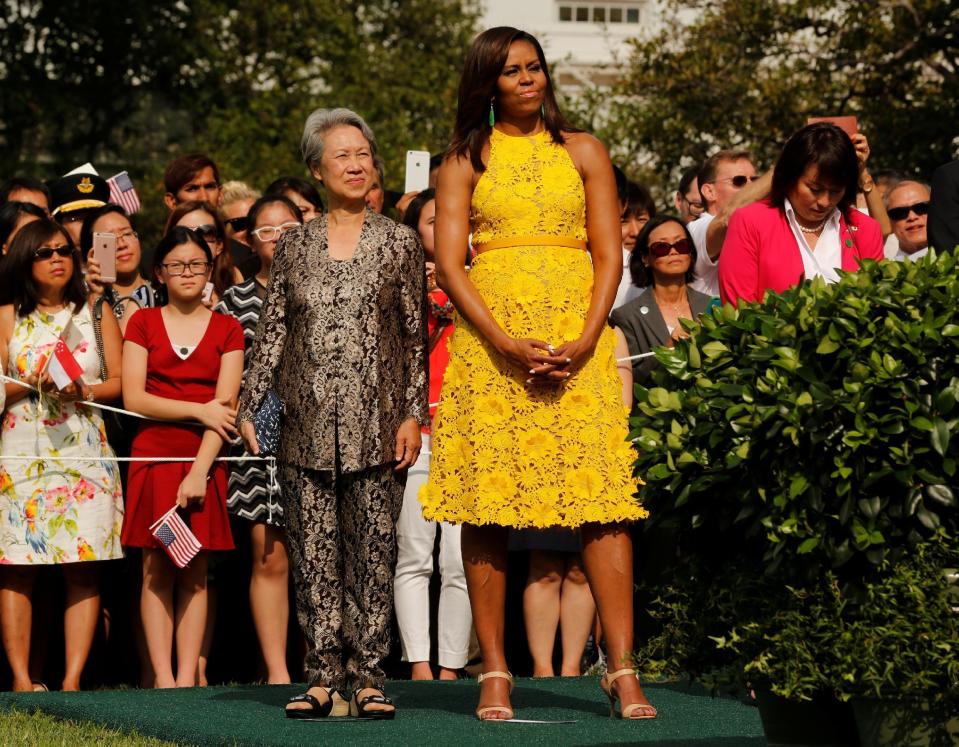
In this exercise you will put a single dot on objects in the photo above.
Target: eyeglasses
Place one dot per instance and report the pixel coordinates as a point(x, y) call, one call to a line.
point(46, 252)
point(196, 267)
point(269, 233)
point(237, 224)
point(695, 206)
point(127, 236)
point(660, 249)
point(901, 213)
point(739, 181)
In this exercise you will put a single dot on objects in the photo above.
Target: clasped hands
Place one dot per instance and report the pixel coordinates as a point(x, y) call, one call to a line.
point(544, 364)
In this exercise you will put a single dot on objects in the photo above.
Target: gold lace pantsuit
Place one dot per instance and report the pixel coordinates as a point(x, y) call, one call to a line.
point(504, 453)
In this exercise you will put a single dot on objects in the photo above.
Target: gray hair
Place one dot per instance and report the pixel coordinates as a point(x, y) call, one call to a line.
point(905, 183)
point(380, 165)
point(323, 120)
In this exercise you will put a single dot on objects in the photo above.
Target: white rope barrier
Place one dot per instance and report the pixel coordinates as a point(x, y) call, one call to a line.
point(98, 405)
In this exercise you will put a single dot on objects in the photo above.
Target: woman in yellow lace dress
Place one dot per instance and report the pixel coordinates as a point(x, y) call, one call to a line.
point(531, 430)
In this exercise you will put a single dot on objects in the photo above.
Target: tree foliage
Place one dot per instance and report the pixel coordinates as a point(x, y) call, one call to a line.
point(733, 73)
point(132, 85)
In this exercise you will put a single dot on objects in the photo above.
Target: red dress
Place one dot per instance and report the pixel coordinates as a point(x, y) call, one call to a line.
point(152, 486)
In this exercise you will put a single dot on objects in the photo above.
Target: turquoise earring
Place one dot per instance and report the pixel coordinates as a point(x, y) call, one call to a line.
point(542, 110)
point(492, 117)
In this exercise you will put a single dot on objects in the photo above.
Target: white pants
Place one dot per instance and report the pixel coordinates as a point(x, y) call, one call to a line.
point(415, 537)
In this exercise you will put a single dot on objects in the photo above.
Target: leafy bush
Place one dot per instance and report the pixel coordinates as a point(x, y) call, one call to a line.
point(802, 453)
point(817, 427)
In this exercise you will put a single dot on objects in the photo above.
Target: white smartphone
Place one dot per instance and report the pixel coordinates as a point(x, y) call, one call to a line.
point(105, 252)
point(417, 171)
point(207, 293)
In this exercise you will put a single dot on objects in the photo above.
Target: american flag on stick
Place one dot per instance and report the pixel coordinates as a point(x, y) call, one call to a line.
point(177, 539)
point(123, 194)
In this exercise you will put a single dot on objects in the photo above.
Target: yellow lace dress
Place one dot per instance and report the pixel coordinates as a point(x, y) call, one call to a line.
point(503, 453)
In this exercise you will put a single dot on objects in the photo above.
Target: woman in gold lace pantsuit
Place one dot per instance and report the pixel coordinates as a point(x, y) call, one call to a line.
point(531, 429)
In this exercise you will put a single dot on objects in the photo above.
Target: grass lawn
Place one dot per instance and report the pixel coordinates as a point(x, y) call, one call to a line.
point(21, 728)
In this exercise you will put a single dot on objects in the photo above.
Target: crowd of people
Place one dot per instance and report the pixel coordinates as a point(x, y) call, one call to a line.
point(454, 370)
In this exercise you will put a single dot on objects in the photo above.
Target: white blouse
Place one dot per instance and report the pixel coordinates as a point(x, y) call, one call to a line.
point(826, 258)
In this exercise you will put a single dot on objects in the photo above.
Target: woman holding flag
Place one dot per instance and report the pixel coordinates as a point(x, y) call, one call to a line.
point(60, 495)
point(182, 365)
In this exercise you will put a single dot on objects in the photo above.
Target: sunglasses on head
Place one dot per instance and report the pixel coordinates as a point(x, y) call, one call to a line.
point(207, 231)
point(237, 224)
point(45, 252)
point(901, 213)
point(663, 248)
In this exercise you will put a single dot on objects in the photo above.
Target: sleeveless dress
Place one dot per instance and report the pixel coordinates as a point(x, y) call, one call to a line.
point(66, 505)
point(503, 453)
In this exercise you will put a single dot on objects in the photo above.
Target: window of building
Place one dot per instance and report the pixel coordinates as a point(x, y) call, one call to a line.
point(582, 14)
point(599, 14)
point(565, 13)
point(632, 15)
point(615, 15)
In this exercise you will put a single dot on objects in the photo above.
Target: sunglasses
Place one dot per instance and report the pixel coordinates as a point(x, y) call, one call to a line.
point(739, 181)
point(207, 231)
point(901, 213)
point(663, 248)
point(237, 224)
point(46, 252)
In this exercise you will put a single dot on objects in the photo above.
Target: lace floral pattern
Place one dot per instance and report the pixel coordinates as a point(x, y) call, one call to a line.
point(506, 454)
point(530, 188)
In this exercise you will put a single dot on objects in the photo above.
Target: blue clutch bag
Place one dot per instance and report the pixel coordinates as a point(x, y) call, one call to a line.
point(266, 423)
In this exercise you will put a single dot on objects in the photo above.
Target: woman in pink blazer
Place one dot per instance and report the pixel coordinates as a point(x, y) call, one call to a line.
point(807, 227)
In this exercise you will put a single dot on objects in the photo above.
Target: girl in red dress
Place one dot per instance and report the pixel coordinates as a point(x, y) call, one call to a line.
point(182, 363)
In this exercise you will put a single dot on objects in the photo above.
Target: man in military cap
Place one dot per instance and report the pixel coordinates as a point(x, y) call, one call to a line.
point(74, 195)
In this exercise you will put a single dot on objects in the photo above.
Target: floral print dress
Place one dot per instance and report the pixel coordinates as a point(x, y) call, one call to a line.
point(56, 508)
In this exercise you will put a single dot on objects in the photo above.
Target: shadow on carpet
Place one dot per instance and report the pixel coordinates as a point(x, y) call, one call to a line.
point(426, 713)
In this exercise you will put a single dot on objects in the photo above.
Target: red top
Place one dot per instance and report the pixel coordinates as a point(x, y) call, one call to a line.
point(439, 305)
point(152, 486)
point(760, 251)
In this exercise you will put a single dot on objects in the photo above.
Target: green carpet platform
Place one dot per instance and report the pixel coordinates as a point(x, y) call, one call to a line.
point(428, 713)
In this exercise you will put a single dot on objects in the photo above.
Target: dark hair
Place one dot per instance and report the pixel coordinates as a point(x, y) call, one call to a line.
point(436, 160)
point(86, 231)
point(828, 148)
point(23, 182)
point(295, 184)
point(223, 263)
point(686, 180)
point(638, 201)
point(622, 184)
point(270, 199)
point(10, 213)
point(411, 217)
point(483, 66)
point(16, 270)
point(185, 168)
point(178, 236)
point(641, 274)
point(707, 172)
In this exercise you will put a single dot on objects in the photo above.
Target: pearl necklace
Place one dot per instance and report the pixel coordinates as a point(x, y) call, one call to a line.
point(814, 229)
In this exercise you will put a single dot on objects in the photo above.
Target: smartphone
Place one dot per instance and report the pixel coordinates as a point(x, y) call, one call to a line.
point(417, 170)
point(849, 125)
point(207, 293)
point(105, 252)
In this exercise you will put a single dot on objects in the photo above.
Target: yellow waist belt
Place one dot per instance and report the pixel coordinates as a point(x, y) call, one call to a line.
point(568, 241)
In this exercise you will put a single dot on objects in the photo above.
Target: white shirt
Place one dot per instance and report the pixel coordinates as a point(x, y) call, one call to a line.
point(901, 256)
point(626, 291)
point(827, 257)
point(706, 271)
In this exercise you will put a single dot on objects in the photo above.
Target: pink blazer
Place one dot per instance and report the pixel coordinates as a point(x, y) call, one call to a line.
point(760, 251)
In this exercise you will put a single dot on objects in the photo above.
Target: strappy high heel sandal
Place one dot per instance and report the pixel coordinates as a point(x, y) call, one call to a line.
point(627, 710)
point(480, 712)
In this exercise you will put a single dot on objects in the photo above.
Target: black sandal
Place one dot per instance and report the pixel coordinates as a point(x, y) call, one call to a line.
point(358, 708)
point(316, 709)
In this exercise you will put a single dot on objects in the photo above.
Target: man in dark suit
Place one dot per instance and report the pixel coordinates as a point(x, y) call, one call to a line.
point(943, 224)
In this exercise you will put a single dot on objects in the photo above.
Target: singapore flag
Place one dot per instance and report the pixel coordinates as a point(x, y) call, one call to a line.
point(63, 367)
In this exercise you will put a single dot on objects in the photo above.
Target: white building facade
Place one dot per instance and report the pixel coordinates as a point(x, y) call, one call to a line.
point(584, 40)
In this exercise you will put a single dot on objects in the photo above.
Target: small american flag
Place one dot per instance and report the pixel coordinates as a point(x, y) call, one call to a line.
point(177, 539)
point(123, 194)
